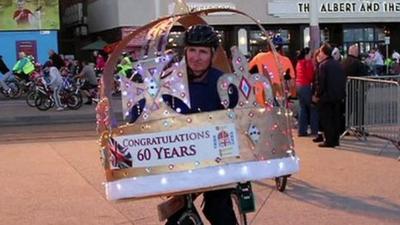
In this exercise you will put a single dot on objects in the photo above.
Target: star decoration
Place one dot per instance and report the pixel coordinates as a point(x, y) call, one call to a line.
point(156, 83)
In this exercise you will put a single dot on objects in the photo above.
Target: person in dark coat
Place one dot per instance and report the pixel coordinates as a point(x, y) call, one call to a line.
point(56, 59)
point(330, 94)
point(352, 64)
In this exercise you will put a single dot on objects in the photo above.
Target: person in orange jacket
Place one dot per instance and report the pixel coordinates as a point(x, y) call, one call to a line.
point(280, 70)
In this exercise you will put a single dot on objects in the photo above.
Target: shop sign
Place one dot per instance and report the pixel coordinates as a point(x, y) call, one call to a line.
point(213, 142)
point(331, 8)
point(197, 6)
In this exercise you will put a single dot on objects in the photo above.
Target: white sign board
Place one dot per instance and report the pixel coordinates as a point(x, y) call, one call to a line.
point(197, 6)
point(181, 146)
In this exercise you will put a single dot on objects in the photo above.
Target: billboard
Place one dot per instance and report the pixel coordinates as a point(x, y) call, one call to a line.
point(29, 15)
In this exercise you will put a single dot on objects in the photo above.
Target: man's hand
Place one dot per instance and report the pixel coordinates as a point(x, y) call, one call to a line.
point(314, 99)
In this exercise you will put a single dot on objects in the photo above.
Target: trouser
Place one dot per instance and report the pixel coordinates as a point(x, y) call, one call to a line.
point(3, 81)
point(308, 113)
point(56, 96)
point(218, 209)
point(330, 118)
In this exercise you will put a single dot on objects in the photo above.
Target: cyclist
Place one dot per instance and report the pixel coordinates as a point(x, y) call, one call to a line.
point(24, 67)
point(55, 82)
point(89, 75)
point(201, 43)
point(7, 74)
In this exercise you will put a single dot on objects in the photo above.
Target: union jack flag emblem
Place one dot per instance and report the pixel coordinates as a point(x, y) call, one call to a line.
point(120, 157)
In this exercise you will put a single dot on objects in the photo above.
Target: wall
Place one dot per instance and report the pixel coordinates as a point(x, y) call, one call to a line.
point(103, 15)
point(45, 40)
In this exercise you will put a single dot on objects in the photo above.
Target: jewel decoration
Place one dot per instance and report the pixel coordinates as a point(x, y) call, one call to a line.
point(245, 87)
point(253, 87)
point(157, 82)
point(254, 133)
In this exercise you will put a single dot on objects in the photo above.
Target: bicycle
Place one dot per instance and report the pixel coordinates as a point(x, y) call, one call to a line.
point(242, 201)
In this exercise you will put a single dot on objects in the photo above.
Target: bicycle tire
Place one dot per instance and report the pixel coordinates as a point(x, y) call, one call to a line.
point(43, 102)
point(31, 97)
point(74, 101)
point(16, 91)
point(280, 183)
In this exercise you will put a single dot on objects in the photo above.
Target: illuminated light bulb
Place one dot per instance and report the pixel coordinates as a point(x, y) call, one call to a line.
point(124, 93)
point(121, 131)
point(166, 124)
point(127, 114)
point(183, 94)
point(281, 165)
point(197, 163)
point(221, 172)
point(164, 181)
point(178, 110)
point(245, 170)
point(171, 166)
point(134, 178)
point(279, 112)
point(251, 114)
point(119, 187)
point(190, 171)
point(182, 86)
point(269, 162)
point(166, 113)
point(189, 120)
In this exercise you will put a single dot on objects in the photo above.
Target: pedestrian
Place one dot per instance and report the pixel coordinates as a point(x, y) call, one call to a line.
point(7, 75)
point(90, 81)
point(378, 63)
point(275, 67)
point(55, 81)
point(304, 79)
point(330, 94)
point(352, 63)
point(100, 61)
point(314, 99)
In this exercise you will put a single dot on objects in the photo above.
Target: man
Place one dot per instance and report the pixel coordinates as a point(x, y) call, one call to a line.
point(201, 43)
point(7, 74)
point(56, 59)
point(55, 82)
point(24, 67)
point(22, 15)
point(353, 65)
point(89, 75)
point(331, 91)
point(266, 64)
point(125, 67)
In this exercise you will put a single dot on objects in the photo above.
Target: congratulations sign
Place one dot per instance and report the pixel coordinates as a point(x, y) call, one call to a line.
point(179, 146)
point(29, 15)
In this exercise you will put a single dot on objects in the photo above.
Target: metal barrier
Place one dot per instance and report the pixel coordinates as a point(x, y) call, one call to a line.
point(373, 109)
point(386, 77)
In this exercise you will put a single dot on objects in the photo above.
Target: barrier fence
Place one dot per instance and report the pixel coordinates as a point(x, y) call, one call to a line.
point(373, 108)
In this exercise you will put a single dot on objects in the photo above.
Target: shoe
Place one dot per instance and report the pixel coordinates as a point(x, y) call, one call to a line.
point(88, 103)
point(60, 109)
point(325, 145)
point(319, 138)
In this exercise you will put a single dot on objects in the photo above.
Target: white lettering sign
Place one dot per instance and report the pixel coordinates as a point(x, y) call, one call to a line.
point(180, 146)
point(197, 6)
point(332, 8)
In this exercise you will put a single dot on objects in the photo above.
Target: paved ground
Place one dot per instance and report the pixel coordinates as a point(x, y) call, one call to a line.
point(50, 174)
point(60, 182)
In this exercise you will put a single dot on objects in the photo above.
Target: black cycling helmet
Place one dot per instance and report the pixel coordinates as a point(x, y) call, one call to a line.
point(202, 35)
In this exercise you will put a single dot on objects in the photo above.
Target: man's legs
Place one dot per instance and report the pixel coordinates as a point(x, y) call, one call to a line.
point(56, 96)
point(3, 81)
point(304, 93)
point(218, 207)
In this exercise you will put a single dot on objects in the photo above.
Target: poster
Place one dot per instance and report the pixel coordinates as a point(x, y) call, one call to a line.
point(29, 47)
point(29, 15)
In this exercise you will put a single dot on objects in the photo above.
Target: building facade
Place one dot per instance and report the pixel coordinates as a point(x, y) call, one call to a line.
point(342, 22)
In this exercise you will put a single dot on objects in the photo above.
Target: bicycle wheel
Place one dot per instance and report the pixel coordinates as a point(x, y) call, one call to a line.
point(31, 97)
point(73, 101)
point(280, 183)
point(43, 102)
point(15, 89)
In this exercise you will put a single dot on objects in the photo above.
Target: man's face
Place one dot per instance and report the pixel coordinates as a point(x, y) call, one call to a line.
point(198, 59)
